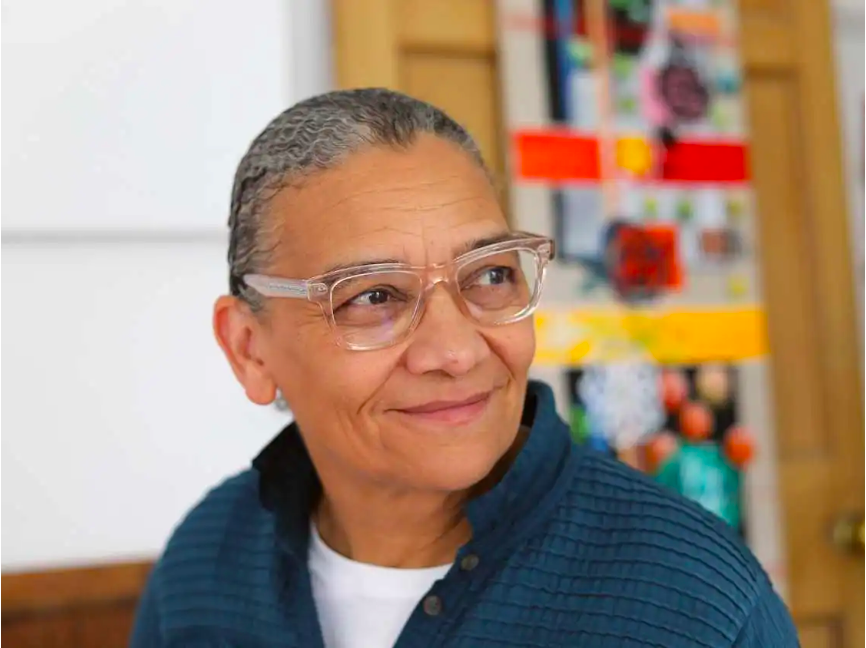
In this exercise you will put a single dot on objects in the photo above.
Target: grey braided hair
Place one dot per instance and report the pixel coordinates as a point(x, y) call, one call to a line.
point(312, 136)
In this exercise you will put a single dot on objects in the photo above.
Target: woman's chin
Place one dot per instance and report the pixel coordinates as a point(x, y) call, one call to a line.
point(451, 474)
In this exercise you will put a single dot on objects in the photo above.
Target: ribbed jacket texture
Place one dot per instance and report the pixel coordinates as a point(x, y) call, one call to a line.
point(571, 548)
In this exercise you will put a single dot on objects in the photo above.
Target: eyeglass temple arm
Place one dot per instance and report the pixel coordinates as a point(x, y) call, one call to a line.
point(272, 287)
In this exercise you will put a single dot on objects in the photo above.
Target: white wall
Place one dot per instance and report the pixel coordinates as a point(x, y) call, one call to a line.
point(119, 409)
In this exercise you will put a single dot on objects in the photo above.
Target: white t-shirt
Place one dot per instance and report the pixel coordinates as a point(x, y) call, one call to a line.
point(361, 605)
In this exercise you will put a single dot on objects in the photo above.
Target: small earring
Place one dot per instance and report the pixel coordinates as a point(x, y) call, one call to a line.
point(280, 403)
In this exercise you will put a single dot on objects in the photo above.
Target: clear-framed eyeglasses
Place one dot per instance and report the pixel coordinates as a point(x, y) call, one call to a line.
point(375, 306)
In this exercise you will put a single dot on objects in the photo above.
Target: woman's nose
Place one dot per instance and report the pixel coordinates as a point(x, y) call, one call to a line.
point(446, 340)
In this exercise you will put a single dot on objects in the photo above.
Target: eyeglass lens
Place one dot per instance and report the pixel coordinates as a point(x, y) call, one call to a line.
point(374, 308)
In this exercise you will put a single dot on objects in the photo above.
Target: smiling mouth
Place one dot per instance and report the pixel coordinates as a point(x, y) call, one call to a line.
point(450, 412)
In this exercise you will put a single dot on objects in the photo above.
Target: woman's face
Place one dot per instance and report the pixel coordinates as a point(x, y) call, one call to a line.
point(363, 413)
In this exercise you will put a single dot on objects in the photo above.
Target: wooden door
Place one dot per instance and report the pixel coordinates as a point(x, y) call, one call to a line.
point(444, 51)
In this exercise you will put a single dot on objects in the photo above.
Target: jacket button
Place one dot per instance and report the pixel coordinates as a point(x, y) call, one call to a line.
point(469, 562)
point(432, 605)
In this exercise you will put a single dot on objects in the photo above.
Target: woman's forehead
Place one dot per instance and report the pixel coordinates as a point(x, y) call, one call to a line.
point(415, 246)
point(418, 206)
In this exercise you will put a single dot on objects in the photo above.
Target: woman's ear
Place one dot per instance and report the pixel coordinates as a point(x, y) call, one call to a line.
point(239, 334)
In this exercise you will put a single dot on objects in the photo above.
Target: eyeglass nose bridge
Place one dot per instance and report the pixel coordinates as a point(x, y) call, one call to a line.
point(433, 276)
point(440, 273)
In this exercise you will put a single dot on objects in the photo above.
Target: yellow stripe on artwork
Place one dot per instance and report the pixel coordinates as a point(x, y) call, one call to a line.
point(669, 336)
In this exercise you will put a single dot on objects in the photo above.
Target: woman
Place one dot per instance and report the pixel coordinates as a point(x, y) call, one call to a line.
point(427, 493)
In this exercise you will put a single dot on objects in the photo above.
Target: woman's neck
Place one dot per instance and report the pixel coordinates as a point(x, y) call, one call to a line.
point(393, 530)
point(400, 528)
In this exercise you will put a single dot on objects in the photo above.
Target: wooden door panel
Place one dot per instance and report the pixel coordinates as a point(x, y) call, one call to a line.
point(766, 44)
point(778, 8)
point(821, 633)
point(814, 565)
point(470, 92)
point(84, 626)
point(456, 26)
point(39, 632)
point(776, 162)
point(72, 608)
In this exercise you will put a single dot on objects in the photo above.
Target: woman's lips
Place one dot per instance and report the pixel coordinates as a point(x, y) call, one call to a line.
point(455, 412)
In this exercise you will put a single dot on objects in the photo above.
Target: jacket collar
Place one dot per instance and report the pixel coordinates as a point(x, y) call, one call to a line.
point(289, 487)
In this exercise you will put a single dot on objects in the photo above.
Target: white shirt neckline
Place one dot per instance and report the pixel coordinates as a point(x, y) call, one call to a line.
point(352, 578)
point(361, 605)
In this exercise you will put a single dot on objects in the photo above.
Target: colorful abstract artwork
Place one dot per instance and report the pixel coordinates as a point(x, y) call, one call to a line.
point(628, 145)
point(679, 424)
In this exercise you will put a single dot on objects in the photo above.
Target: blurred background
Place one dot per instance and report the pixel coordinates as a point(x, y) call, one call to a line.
point(124, 122)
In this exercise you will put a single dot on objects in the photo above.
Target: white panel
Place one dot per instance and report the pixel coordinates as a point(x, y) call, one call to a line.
point(124, 123)
point(120, 410)
point(311, 50)
point(133, 115)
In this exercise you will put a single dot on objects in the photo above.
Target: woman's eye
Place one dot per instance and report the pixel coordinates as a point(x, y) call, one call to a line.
point(495, 276)
point(375, 297)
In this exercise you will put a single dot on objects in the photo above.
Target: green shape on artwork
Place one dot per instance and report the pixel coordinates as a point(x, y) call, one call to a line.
point(651, 208)
point(578, 424)
point(734, 209)
point(627, 105)
point(700, 473)
point(638, 11)
point(685, 211)
point(719, 116)
point(580, 53)
point(622, 65)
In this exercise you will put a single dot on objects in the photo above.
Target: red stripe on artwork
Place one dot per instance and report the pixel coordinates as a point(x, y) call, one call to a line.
point(567, 156)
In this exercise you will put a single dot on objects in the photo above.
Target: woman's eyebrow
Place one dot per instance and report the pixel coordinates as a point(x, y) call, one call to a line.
point(463, 248)
point(359, 264)
point(476, 243)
